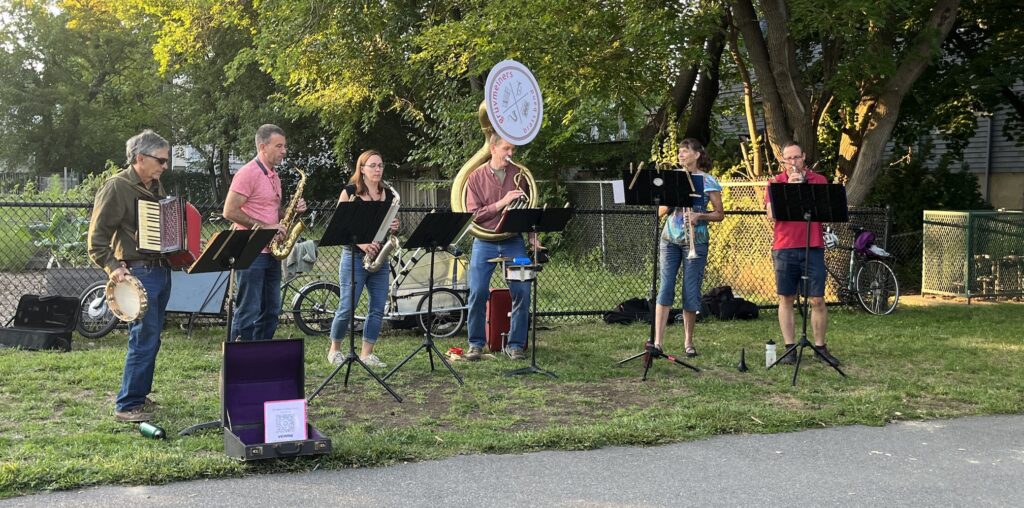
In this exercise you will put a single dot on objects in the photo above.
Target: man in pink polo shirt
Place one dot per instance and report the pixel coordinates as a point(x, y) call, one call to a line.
point(788, 253)
point(254, 200)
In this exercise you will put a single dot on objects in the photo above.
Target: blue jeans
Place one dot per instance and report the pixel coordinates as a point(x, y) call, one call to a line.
point(376, 287)
point(480, 271)
point(258, 304)
point(144, 338)
point(671, 257)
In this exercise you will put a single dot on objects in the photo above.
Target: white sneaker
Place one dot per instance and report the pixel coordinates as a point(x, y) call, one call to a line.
point(372, 361)
point(335, 357)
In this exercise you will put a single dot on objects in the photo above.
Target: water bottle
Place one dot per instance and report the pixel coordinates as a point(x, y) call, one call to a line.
point(151, 431)
point(769, 353)
point(521, 260)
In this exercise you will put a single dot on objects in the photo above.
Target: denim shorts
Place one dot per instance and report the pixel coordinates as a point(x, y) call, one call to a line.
point(789, 269)
point(672, 258)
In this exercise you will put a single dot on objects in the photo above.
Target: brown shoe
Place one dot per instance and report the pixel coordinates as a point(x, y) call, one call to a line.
point(474, 353)
point(150, 404)
point(135, 415)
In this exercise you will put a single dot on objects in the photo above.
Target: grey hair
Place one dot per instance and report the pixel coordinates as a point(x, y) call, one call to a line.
point(264, 133)
point(495, 137)
point(145, 142)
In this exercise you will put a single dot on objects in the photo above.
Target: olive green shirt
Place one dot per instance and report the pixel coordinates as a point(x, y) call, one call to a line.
point(114, 223)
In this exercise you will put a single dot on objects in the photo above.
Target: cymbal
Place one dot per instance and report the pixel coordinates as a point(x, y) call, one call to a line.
point(500, 259)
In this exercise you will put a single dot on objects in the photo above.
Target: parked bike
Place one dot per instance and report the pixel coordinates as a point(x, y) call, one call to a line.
point(869, 280)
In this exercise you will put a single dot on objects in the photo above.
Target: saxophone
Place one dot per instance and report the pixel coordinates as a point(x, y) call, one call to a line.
point(390, 244)
point(280, 248)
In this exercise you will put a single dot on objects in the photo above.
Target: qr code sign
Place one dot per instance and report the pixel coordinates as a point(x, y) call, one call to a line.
point(285, 424)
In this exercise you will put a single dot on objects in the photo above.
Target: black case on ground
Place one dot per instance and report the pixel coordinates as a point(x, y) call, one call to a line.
point(256, 372)
point(42, 322)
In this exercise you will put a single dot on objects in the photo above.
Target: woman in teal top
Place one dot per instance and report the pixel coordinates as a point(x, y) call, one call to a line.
point(675, 244)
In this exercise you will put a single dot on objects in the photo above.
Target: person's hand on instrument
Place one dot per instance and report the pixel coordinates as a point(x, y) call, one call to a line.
point(119, 274)
point(395, 224)
point(370, 249)
point(512, 195)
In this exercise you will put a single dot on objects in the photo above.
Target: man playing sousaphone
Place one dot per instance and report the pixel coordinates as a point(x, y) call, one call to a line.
point(490, 189)
point(113, 246)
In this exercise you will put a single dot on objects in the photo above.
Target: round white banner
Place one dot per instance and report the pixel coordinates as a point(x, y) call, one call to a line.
point(514, 104)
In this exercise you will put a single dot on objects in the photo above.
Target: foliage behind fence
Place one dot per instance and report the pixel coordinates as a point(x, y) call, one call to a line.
point(604, 257)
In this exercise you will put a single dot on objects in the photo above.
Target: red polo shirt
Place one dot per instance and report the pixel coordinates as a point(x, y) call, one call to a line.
point(793, 234)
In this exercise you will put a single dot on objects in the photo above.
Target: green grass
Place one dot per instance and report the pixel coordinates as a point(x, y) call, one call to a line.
point(57, 431)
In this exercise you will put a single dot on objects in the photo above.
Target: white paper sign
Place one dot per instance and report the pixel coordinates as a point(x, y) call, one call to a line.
point(284, 420)
point(618, 192)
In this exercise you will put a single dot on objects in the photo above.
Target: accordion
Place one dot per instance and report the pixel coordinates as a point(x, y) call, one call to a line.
point(171, 227)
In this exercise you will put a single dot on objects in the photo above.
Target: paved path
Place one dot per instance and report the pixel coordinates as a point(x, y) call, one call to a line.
point(976, 461)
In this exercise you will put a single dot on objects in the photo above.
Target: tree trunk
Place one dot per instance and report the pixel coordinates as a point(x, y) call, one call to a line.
point(776, 126)
point(678, 100)
point(754, 166)
point(699, 124)
point(225, 174)
point(867, 143)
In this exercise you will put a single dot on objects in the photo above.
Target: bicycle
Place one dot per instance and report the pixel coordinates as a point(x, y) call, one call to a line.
point(869, 281)
point(410, 302)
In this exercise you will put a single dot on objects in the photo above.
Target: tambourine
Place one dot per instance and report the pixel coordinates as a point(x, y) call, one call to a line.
point(126, 299)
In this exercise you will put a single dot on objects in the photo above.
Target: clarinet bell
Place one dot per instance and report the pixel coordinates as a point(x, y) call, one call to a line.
point(742, 367)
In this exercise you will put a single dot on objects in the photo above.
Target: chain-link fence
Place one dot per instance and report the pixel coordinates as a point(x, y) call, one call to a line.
point(974, 254)
point(603, 258)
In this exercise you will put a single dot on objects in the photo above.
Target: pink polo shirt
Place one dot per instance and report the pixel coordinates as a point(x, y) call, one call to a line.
point(790, 234)
point(262, 192)
point(483, 190)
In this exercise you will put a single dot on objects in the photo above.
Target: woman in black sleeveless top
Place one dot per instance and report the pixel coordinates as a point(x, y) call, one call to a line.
point(366, 184)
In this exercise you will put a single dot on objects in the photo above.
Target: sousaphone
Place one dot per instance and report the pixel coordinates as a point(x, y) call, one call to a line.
point(512, 107)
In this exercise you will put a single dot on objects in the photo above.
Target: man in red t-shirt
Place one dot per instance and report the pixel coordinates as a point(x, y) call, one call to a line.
point(788, 253)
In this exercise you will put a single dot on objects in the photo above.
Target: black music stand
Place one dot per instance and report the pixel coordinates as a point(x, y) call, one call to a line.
point(354, 222)
point(436, 230)
point(657, 188)
point(799, 202)
point(535, 220)
point(230, 249)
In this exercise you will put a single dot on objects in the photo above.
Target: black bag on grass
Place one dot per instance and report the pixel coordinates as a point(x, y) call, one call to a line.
point(720, 303)
point(633, 310)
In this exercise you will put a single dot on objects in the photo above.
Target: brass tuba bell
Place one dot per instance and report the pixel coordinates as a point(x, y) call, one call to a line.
point(459, 190)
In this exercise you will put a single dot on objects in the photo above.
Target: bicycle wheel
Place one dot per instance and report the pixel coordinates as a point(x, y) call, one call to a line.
point(449, 311)
point(877, 288)
point(313, 307)
point(94, 319)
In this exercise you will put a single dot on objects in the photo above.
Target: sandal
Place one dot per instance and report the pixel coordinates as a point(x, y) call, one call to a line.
point(690, 352)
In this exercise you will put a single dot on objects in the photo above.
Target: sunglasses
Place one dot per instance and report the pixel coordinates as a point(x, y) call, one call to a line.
point(162, 160)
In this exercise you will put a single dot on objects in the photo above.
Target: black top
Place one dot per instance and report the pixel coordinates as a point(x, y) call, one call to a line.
point(350, 189)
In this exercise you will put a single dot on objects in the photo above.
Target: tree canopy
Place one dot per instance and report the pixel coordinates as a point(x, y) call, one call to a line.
point(619, 77)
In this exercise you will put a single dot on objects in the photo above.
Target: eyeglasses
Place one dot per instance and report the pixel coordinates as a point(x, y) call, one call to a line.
point(374, 166)
point(162, 160)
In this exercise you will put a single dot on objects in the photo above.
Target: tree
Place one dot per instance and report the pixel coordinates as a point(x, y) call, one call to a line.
point(864, 60)
point(76, 85)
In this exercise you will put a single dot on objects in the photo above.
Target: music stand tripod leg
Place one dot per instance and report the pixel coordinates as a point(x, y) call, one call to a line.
point(428, 338)
point(533, 368)
point(352, 357)
point(798, 349)
point(650, 353)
